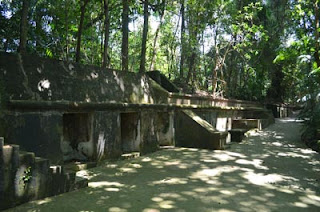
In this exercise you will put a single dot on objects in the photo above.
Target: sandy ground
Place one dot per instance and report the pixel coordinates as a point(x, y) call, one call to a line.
point(270, 171)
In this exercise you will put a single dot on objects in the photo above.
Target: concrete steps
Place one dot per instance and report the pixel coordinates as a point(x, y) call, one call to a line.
point(25, 177)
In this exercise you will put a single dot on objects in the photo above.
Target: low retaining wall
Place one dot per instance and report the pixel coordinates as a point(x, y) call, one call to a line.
point(187, 99)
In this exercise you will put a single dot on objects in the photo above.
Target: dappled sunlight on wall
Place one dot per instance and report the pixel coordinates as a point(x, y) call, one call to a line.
point(27, 77)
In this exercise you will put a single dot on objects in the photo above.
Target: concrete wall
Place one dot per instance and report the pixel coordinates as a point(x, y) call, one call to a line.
point(26, 77)
point(46, 133)
point(43, 132)
point(38, 132)
point(149, 139)
point(107, 137)
point(165, 126)
point(65, 136)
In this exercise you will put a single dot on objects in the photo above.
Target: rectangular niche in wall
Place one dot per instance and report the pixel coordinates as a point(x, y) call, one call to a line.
point(77, 143)
point(130, 132)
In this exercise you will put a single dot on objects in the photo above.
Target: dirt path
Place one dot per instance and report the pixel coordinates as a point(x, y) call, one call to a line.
point(270, 171)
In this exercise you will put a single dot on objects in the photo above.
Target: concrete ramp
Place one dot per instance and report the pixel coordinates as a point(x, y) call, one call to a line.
point(194, 132)
point(163, 81)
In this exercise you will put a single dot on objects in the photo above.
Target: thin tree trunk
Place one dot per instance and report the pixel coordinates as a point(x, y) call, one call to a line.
point(193, 42)
point(219, 66)
point(317, 47)
point(215, 73)
point(204, 62)
point(144, 37)
point(191, 66)
point(229, 77)
point(154, 48)
point(125, 35)
point(78, 48)
point(102, 32)
point(105, 61)
point(182, 38)
point(67, 28)
point(24, 26)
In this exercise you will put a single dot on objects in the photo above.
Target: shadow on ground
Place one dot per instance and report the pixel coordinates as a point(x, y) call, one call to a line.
point(270, 171)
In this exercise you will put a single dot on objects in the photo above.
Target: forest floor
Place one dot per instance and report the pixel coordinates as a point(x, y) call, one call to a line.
point(269, 171)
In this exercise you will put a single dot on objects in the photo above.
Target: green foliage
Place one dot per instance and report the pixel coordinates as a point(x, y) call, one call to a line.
point(27, 176)
point(266, 45)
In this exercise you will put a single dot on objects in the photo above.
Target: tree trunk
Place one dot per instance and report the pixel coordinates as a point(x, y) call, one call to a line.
point(82, 10)
point(24, 26)
point(105, 61)
point(67, 28)
point(125, 35)
point(154, 48)
point(229, 80)
point(182, 37)
point(316, 53)
point(214, 81)
point(144, 37)
point(192, 59)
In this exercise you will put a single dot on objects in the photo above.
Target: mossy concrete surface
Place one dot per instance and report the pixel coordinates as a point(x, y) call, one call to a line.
point(269, 171)
point(27, 77)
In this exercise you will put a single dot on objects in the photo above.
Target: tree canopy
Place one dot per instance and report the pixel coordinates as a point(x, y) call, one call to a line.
point(251, 50)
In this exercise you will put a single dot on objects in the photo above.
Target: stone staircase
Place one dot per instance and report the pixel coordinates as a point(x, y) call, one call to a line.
point(25, 177)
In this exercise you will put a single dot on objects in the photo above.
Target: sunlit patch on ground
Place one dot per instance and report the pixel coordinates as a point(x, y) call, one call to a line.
point(270, 171)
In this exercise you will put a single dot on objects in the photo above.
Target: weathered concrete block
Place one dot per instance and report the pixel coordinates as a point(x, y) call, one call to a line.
point(80, 183)
point(70, 181)
point(10, 166)
point(58, 181)
point(1, 171)
point(130, 155)
point(237, 134)
point(1, 143)
point(246, 124)
point(41, 177)
point(24, 182)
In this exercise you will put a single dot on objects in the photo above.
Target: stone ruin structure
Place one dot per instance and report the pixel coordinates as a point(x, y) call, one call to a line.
point(54, 112)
